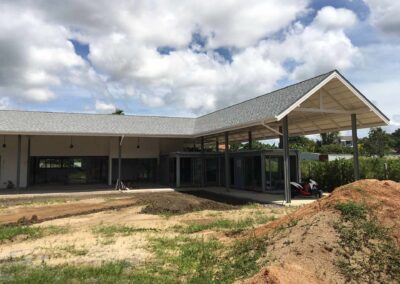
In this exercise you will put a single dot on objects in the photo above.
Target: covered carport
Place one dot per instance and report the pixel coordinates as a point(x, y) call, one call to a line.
point(322, 104)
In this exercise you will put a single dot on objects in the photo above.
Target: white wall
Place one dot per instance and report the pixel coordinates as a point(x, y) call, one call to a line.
point(8, 156)
point(83, 146)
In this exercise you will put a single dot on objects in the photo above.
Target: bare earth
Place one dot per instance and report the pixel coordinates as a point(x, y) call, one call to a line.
point(81, 245)
point(307, 251)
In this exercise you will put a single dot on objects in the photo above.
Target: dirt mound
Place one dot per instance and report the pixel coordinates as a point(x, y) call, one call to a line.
point(351, 236)
point(152, 202)
point(179, 203)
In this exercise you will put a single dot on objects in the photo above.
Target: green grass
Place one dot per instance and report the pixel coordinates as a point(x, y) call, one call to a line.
point(10, 232)
point(351, 210)
point(177, 260)
point(228, 225)
point(112, 230)
point(368, 253)
point(71, 249)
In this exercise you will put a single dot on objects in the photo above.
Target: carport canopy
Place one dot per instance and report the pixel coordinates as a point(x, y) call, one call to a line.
point(322, 104)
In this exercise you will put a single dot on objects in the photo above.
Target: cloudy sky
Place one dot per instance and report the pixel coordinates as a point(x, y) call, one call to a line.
point(190, 57)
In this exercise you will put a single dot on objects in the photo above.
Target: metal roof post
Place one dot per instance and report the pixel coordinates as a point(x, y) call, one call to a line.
point(227, 170)
point(119, 182)
point(263, 177)
point(178, 171)
point(355, 146)
point(250, 141)
point(286, 160)
point(203, 165)
point(18, 164)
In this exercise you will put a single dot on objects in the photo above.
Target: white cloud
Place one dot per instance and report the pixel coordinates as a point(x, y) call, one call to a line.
point(35, 54)
point(318, 47)
point(103, 107)
point(125, 65)
point(385, 15)
point(4, 103)
point(332, 18)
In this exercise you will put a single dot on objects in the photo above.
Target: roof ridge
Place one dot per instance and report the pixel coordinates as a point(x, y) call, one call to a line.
point(274, 91)
point(96, 114)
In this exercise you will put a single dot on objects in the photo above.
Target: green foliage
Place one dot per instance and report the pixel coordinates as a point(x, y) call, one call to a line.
point(118, 112)
point(351, 210)
point(332, 174)
point(302, 144)
point(330, 138)
point(335, 149)
point(10, 232)
point(367, 252)
point(396, 140)
point(377, 143)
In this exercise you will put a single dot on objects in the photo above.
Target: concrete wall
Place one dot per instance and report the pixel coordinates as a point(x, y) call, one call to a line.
point(83, 146)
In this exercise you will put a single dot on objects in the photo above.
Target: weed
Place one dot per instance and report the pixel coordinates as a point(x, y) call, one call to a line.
point(367, 253)
point(10, 232)
point(232, 226)
point(71, 249)
point(351, 210)
point(110, 231)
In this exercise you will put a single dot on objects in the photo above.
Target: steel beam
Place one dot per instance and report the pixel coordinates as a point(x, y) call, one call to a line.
point(28, 167)
point(263, 177)
point(178, 171)
point(119, 183)
point(18, 164)
point(286, 159)
point(250, 141)
point(355, 146)
point(227, 169)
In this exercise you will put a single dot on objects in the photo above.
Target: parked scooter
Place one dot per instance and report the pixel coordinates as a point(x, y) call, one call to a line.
point(309, 188)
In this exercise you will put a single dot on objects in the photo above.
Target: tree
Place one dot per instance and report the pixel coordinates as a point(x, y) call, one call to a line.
point(396, 140)
point(118, 112)
point(377, 143)
point(302, 144)
point(329, 138)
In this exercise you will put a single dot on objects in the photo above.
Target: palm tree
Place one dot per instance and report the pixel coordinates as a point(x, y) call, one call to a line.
point(118, 112)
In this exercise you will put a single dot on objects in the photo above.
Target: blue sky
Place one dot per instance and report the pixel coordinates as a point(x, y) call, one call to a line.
point(188, 58)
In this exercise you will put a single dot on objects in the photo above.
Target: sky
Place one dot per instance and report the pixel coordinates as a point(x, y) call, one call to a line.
point(187, 58)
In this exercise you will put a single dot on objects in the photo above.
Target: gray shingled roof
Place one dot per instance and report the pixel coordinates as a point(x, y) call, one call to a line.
point(100, 124)
point(260, 108)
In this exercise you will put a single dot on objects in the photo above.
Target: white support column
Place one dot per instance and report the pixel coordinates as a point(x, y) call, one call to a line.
point(286, 160)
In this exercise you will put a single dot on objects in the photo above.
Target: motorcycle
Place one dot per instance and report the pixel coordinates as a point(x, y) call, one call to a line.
point(309, 188)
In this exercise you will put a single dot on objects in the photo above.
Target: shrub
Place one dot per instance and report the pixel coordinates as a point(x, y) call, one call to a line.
point(332, 174)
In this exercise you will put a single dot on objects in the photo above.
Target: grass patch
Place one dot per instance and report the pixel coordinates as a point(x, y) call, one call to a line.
point(113, 272)
point(71, 249)
point(351, 210)
point(368, 252)
point(10, 232)
point(177, 260)
point(195, 260)
point(234, 226)
point(112, 230)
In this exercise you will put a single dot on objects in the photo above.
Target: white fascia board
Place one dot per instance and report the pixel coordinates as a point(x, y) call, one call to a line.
point(324, 82)
point(363, 99)
point(305, 97)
